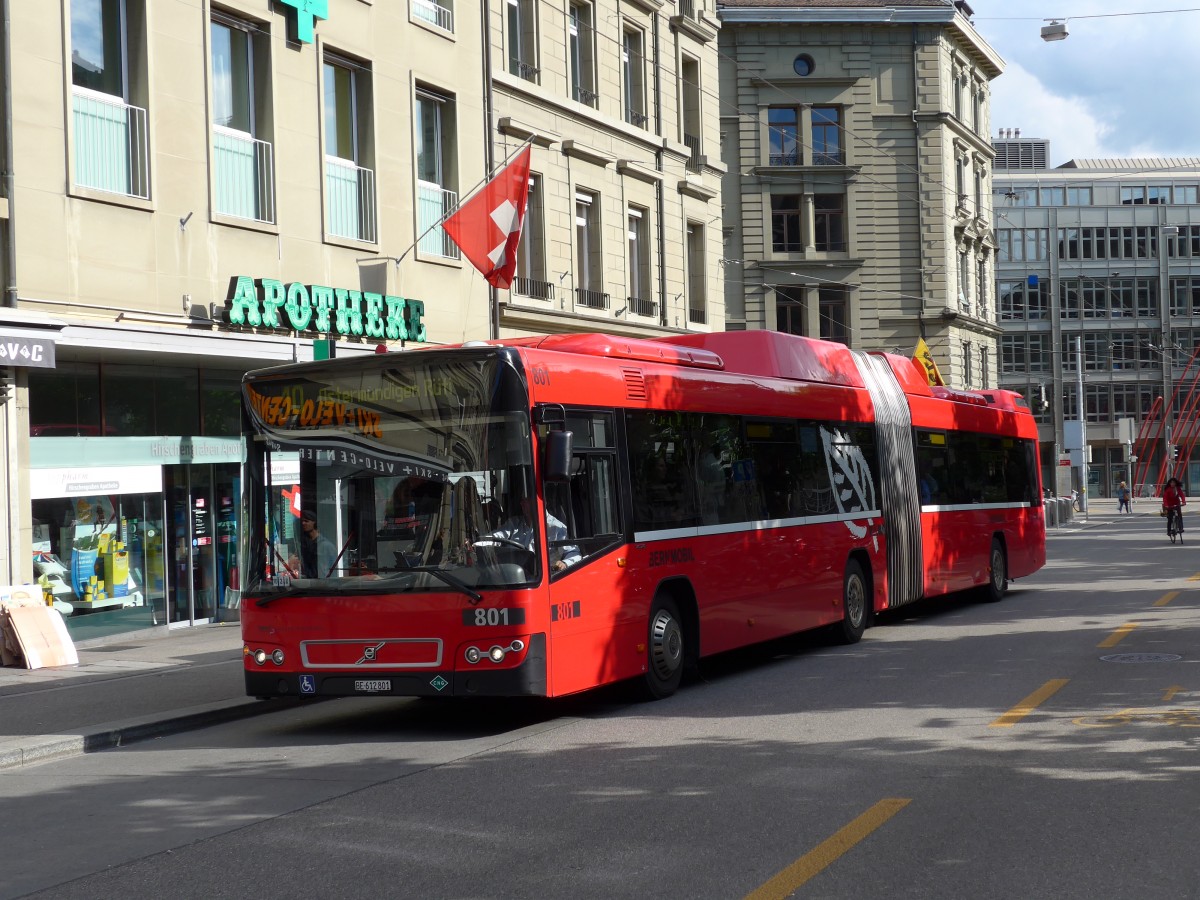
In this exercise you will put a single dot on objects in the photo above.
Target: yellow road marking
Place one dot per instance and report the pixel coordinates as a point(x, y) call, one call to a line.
point(825, 853)
point(1195, 577)
point(1029, 704)
point(1168, 597)
point(1171, 692)
point(1117, 636)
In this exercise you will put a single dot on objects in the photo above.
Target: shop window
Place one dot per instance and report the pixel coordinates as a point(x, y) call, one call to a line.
point(65, 401)
point(220, 403)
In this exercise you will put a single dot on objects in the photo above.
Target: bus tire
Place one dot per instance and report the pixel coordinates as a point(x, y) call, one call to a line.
point(665, 655)
point(855, 603)
point(997, 584)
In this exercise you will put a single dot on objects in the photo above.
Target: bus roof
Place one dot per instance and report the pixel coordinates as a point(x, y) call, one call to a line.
point(769, 354)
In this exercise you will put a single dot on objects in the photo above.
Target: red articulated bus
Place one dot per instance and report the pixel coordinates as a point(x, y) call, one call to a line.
point(544, 515)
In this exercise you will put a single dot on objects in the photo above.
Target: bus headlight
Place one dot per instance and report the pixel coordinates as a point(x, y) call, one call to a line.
point(260, 656)
point(472, 655)
point(496, 654)
point(277, 657)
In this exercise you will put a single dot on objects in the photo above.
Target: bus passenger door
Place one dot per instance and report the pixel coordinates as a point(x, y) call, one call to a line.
point(586, 596)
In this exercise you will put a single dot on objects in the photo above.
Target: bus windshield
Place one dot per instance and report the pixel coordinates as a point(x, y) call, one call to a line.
point(390, 477)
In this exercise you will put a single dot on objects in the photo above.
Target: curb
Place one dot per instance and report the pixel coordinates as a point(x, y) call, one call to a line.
point(18, 752)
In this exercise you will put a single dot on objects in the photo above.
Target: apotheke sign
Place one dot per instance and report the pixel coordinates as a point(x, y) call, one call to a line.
point(321, 311)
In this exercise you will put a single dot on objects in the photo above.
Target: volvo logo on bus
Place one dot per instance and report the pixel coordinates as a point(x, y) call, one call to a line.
point(370, 653)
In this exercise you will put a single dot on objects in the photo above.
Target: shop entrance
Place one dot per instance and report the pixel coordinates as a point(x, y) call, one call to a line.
point(202, 516)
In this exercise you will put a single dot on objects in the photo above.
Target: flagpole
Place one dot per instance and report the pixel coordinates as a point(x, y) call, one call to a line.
point(527, 142)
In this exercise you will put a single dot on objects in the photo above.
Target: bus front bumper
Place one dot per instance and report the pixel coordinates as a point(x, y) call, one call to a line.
point(525, 680)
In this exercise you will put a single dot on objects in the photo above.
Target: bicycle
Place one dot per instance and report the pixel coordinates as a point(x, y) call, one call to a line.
point(1077, 501)
point(1175, 523)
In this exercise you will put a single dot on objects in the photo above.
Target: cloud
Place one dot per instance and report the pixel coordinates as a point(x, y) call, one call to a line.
point(1020, 100)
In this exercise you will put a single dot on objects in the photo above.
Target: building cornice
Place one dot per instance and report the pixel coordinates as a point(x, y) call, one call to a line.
point(949, 17)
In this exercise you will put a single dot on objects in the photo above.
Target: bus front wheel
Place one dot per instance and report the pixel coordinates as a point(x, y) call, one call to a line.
point(664, 650)
point(855, 597)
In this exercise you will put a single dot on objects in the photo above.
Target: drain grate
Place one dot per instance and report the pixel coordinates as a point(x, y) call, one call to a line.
point(1142, 657)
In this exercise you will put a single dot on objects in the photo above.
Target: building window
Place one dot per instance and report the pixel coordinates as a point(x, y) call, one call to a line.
point(978, 117)
point(111, 140)
point(696, 296)
point(1053, 196)
point(436, 197)
point(833, 308)
point(960, 182)
point(968, 360)
point(530, 280)
point(984, 363)
point(435, 12)
point(349, 178)
point(633, 71)
point(783, 136)
point(959, 82)
point(1023, 244)
point(1019, 302)
point(802, 65)
point(243, 158)
point(786, 215)
point(583, 55)
point(979, 210)
point(1186, 194)
point(522, 39)
point(829, 222)
point(588, 255)
point(827, 136)
point(1079, 196)
point(689, 122)
point(981, 287)
point(789, 309)
point(641, 291)
point(964, 281)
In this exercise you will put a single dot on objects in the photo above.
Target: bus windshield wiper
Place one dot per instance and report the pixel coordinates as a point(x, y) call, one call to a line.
point(450, 580)
point(288, 592)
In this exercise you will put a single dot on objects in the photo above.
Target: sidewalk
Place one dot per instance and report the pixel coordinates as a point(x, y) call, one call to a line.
point(1103, 511)
point(146, 685)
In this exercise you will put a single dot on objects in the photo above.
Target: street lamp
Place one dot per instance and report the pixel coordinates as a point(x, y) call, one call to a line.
point(1055, 31)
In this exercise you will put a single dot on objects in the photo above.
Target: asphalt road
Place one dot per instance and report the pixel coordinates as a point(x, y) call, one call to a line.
point(1044, 746)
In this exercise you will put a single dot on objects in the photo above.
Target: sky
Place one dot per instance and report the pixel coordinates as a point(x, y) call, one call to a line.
point(1122, 84)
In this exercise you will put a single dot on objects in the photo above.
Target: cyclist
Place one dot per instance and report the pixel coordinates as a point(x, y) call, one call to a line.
point(1173, 502)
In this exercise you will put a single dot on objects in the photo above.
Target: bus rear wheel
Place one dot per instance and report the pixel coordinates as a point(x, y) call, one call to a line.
point(855, 598)
point(664, 650)
point(997, 584)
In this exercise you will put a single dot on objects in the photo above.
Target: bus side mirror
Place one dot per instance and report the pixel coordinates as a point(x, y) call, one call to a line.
point(558, 456)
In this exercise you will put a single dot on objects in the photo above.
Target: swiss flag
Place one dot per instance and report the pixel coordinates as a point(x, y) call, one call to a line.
point(488, 226)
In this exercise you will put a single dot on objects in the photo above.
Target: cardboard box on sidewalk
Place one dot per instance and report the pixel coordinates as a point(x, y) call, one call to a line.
point(31, 633)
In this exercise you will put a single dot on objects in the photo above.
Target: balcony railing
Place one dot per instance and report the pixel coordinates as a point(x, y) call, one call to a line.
point(591, 299)
point(244, 175)
point(433, 13)
point(693, 144)
point(112, 145)
point(433, 205)
point(828, 158)
point(350, 200)
point(687, 8)
point(640, 307)
point(586, 97)
point(697, 316)
point(529, 287)
point(785, 159)
point(638, 119)
point(521, 69)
